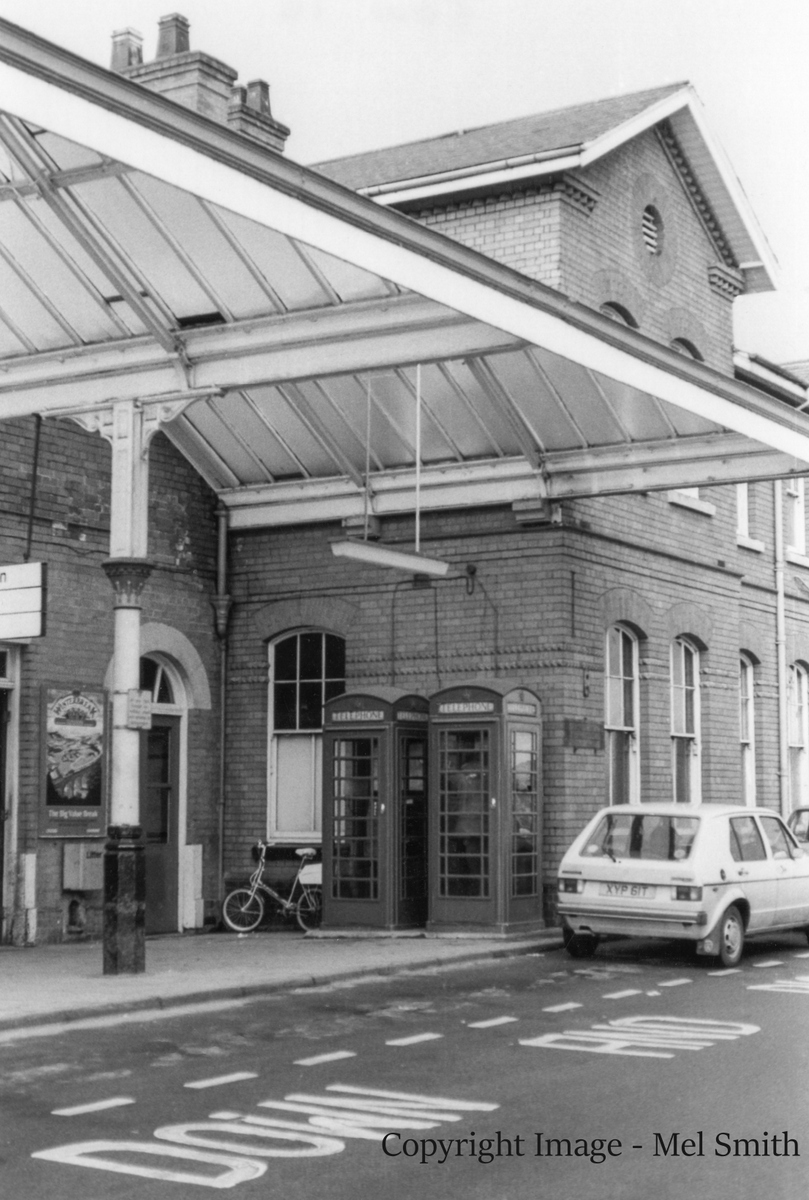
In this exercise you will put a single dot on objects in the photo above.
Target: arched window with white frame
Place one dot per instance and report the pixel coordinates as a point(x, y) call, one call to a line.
point(685, 722)
point(798, 734)
point(621, 716)
point(747, 729)
point(307, 668)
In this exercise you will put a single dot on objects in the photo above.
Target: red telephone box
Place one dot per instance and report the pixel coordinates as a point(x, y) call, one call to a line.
point(485, 808)
point(375, 810)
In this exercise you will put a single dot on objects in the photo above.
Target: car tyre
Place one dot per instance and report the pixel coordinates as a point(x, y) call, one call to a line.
point(581, 945)
point(731, 937)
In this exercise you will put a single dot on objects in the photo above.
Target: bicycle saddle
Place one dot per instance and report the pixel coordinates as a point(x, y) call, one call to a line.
point(306, 852)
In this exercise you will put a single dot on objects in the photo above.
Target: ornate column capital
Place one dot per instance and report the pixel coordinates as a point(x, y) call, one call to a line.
point(128, 577)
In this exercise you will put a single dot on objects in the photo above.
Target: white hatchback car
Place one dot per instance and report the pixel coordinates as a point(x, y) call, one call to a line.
point(708, 874)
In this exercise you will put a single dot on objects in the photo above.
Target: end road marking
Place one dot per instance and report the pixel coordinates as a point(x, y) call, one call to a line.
point(316, 1059)
point(771, 962)
point(726, 971)
point(236, 1077)
point(491, 1022)
point(562, 1007)
point(674, 982)
point(94, 1106)
point(620, 995)
point(416, 1037)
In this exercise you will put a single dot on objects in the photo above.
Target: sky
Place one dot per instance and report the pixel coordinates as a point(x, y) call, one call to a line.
point(350, 75)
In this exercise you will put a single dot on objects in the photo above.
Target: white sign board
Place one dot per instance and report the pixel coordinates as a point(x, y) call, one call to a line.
point(22, 600)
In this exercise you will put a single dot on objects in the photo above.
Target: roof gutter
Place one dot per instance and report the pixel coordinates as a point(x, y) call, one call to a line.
point(571, 153)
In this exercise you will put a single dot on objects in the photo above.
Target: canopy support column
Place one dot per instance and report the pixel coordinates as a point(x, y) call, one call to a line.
point(128, 570)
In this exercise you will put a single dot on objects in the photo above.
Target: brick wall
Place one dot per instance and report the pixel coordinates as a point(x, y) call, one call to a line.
point(71, 534)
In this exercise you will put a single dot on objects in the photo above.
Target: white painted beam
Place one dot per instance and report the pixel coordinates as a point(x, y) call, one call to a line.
point(453, 277)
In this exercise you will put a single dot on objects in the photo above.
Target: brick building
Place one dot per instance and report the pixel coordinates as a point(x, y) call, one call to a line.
point(510, 346)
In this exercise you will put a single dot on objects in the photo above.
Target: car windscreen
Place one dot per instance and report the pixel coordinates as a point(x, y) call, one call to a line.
point(642, 835)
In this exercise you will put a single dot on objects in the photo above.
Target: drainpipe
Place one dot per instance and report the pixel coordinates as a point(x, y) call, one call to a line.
point(781, 651)
point(221, 605)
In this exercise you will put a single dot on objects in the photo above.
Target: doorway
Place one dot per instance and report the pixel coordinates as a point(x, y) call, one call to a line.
point(160, 813)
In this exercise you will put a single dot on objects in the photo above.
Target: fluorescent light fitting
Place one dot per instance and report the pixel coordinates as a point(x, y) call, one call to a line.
point(381, 556)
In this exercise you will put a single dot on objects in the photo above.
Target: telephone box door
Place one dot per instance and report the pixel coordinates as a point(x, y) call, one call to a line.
point(465, 826)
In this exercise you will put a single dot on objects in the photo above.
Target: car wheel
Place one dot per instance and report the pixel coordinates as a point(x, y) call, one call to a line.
point(731, 937)
point(581, 945)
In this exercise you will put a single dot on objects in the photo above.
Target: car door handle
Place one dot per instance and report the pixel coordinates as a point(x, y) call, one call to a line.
point(743, 872)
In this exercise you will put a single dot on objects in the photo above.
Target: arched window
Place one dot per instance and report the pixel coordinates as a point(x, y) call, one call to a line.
point(685, 721)
point(686, 348)
point(747, 729)
point(156, 679)
point(617, 312)
point(621, 716)
point(798, 733)
point(306, 670)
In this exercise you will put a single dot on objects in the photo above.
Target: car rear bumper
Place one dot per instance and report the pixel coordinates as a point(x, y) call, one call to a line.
point(649, 923)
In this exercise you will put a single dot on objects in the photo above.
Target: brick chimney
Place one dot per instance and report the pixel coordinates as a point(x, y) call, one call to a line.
point(127, 50)
point(198, 81)
point(186, 76)
point(249, 113)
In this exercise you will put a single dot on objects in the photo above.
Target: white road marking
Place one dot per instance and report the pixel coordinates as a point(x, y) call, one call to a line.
point(492, 1021)
point(802, 954)
point(726, 971)
point(798, 986)
point(94, 1106)
point(644, 1037)
point(316, 1059)
point(217, 1080)
point(771, 962)
point(416, 1037)
point(674, 982)
point(653, 993)
point(562, 1007)
point(621, 995)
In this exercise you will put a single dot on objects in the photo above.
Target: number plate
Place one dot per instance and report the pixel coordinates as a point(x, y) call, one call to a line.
point(638, 891)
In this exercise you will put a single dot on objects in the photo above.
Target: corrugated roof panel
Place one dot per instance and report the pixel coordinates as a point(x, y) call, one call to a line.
point(217, 262)
point(498, 428)
point(458, 417)
point(349, 282)
point(638, 413)
point(151, 258)
point(287, 425)
point(537, 404)
point(216, 431)
point(580, 397)
point(40, 261)
point(32, 318)
point(279, 263)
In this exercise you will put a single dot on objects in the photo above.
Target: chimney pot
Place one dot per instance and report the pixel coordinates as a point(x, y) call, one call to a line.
point(127, 49)
point(172, 35)
point(258, 96)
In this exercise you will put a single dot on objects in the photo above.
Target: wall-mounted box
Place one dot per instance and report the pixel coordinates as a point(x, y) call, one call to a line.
point(83, 866)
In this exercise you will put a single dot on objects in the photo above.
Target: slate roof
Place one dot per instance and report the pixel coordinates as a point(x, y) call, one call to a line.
point(563, 129)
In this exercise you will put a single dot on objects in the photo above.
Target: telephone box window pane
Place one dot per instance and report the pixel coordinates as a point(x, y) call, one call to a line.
point(413, 821)
point(464, 813)
point(355, 848)
point(525, 810)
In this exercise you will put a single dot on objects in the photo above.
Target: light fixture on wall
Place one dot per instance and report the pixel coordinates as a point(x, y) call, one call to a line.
point(381, 556)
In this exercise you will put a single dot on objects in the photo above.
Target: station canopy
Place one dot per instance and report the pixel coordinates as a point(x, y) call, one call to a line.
point(296, 334)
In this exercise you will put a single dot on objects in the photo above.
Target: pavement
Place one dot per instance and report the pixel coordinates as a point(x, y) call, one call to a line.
point(56, 983)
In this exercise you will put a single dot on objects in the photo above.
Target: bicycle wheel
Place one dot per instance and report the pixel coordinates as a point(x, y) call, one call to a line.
point(309, 910)
point(243, 910)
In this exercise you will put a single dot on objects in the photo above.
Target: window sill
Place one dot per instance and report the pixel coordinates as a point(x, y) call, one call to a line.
point(798, 560)
point(692, 502)
point(748, 543)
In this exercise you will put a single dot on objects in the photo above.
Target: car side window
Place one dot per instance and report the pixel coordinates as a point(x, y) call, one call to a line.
point(799, 824)
point(745, 840)
point(777, 837)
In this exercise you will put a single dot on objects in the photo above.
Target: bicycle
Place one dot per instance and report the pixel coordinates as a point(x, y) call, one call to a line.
point(243, 908)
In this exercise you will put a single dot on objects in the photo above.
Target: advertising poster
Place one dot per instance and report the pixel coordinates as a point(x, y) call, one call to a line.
point(74, 762)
